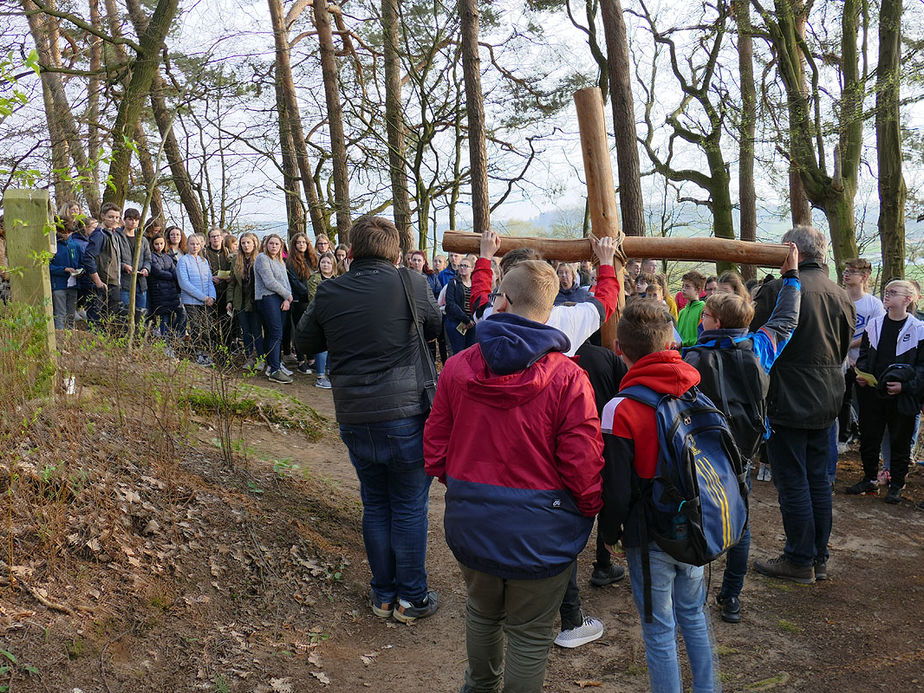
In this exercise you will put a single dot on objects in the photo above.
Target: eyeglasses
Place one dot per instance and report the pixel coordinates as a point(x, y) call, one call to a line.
point(496, 294)
point(465, 266)
point(893, 292)
point(708, 315)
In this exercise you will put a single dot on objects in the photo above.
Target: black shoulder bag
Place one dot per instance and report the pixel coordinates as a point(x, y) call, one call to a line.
point(428, 369)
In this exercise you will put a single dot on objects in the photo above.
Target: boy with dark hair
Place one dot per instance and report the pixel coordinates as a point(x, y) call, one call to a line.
point(688, 318)
point(734, 367)
point(101, 266)
point(521, 495)
point(125, 238)
point(630, 436)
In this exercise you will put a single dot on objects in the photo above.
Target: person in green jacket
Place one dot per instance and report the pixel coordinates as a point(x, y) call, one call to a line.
point(689, 317)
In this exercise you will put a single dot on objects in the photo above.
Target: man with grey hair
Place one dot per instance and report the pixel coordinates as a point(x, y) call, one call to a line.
point(806, 387)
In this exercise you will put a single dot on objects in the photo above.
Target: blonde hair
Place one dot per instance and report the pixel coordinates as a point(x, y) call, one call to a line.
point(909, 288)
point(197, 237)
point(731, 310)
point(531, 287)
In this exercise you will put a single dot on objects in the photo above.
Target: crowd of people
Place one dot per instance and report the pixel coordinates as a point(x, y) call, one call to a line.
point(211, 298)
point(529, 433)
point(526, 427)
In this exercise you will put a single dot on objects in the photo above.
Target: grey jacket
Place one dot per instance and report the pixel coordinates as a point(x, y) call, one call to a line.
point(270, 277)
point(126, 248)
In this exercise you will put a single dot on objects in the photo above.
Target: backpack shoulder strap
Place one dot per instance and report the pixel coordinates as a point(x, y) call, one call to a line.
point(643, 394)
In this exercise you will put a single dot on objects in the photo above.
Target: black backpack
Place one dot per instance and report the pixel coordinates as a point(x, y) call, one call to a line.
point(734, 380)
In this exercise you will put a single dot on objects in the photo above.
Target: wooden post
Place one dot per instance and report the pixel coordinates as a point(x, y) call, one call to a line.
point(601, 192)
point(29, 237)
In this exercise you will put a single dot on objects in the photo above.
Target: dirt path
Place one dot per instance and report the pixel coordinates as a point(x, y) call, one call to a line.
point(861, 630)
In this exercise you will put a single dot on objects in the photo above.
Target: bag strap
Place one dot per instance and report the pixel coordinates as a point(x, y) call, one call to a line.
point(722, 392)
point(429, 366)
point(643, 394)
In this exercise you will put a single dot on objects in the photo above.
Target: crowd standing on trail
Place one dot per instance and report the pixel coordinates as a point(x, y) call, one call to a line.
point(537, 430)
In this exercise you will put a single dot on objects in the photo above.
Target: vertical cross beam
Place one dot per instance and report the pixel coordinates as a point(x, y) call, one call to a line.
point(29, 238)
point(601, 192)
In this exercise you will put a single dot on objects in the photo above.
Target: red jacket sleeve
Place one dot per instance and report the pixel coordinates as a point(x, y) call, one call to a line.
point(482, 277)
point(578, 443)
point(438, 428)
point(607, 290)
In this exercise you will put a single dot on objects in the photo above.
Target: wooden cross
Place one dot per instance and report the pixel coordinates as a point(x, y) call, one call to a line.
point(604, 218)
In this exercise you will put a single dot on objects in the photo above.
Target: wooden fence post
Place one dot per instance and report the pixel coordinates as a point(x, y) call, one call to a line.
point(29, 236)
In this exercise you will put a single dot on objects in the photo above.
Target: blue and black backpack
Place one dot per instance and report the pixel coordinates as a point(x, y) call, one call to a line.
point(695, 508)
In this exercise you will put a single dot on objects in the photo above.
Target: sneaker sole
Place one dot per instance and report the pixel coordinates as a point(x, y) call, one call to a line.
point(404, 618)
point(731, 618)
point(577, 642)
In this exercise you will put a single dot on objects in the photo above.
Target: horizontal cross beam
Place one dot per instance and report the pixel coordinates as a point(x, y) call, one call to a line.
point(654, 247)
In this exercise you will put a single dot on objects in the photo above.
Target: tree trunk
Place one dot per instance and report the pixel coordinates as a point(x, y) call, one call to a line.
point(62, 115)
point(334, 119)
point(474, 106)
point(628, 169)
point(799, 207)
point(143, 71)
point(291, 119)
point(295, 210)
point(94, 88)
point(148, 171)
point(175, 160)
point(747, 196)
point(834, 194)
point(892, 191)
point(723, 224)
point(394, 124)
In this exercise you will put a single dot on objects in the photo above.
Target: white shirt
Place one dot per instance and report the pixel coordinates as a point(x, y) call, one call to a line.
point(868, 307)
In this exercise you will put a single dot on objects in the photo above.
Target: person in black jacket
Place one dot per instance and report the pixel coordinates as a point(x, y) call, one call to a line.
point(164, 292)
point(892, 352)
point(377, 372)
point(299, 271)
point(806, 387)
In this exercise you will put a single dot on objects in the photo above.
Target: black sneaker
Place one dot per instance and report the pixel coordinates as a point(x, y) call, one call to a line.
point(304, 368)
point(606, 575)
point(782, 567)
point(821, 570)
point(731, 608)
point(894, 496)
point(866, 487)
point(408, 612)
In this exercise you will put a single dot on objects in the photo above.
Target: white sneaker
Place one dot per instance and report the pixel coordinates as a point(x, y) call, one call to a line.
point(842, 448)
point(590, 630)
point(284, 369)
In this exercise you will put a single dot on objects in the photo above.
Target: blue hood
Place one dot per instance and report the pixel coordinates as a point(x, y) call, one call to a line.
point(510, 343)
point(576, 294)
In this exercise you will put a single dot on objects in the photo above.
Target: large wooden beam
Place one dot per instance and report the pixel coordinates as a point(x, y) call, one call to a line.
point(674, 248)
point(601, 192)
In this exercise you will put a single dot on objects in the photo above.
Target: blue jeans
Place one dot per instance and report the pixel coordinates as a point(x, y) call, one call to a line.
point(251, 331)
point(799, 459)
point(458, 342)
point(270, 308)
point(320, 363)
point(395, 490)
point(678, 594)
point(172, 323)
point(141, 299)
point(736, 560)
